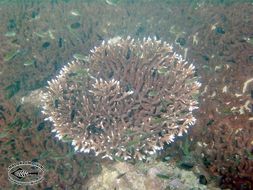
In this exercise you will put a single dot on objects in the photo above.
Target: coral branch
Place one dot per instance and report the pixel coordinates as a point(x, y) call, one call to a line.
point(128, 99)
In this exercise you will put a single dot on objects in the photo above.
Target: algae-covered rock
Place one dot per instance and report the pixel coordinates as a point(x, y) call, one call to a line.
point(144, 176)
point(33, 98)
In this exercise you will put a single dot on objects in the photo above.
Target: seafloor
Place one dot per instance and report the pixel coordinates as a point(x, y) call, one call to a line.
point(38, 37)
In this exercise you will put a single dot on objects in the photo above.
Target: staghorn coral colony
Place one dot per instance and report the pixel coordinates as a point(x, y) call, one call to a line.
point(127, 100)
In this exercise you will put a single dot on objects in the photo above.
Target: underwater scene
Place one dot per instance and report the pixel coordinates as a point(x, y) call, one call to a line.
point(126, 94)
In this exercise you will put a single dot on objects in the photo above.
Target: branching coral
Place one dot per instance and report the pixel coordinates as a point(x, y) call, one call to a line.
point(229, 150)
point(127, 100)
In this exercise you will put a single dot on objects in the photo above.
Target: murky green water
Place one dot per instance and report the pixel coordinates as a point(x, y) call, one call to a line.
point(130, 98)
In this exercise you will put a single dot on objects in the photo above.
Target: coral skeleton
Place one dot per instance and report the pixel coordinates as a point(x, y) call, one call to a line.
point(127, 100)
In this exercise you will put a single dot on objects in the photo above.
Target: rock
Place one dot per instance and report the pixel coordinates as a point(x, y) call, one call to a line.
point(202, 180)
point(33, 98)
point(144, 176)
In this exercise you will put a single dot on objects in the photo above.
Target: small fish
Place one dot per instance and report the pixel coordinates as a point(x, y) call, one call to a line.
point(51, 35)
point(163, 176)
point(10, 55)
point(249, 40)
point(75, 25)
point(81, 57)
point(42, 35)
point(74, 13)
point(29, 63)
point(110, 2)
point(60, 42)
point(10, 34)
point(162, 70)
point(167, 158)
point(121, 175)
